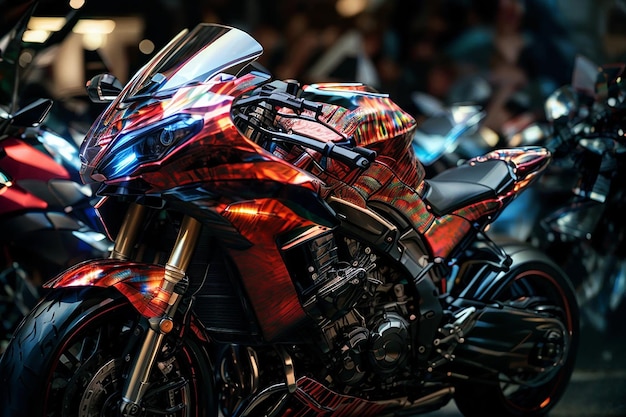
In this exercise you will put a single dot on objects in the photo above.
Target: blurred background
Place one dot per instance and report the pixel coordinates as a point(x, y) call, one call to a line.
point(397, 46)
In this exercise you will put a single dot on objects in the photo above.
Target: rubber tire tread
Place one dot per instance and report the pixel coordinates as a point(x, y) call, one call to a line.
point(24, 364)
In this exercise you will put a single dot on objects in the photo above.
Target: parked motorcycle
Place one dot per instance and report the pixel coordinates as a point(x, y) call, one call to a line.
point(449, 135)
point(46, 216)
point(453, 130)
point(583, 226)
point(278, 251)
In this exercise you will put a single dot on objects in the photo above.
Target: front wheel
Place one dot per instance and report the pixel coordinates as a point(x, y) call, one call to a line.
point(543, 287)
point(73, 352)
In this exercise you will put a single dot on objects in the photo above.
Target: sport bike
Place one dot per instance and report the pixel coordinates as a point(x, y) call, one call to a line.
point(46, 216)
point(278, 252)
point(583, 227)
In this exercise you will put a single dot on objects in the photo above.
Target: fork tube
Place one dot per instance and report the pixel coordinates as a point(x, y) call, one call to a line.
point(175, 270)
point(127, 236)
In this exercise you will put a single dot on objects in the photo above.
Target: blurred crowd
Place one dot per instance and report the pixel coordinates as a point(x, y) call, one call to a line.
point(524, 49)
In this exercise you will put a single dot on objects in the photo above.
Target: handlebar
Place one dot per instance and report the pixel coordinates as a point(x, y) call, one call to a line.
point(354, 156)
point(281, 95)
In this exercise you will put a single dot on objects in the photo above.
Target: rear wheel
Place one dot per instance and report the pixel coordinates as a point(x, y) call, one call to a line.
point(540, 286)
point(73, 351)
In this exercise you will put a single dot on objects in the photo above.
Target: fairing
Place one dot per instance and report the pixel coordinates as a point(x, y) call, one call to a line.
point(23, 160)
point(28, 173)
point(175, 113)
point(140, 283)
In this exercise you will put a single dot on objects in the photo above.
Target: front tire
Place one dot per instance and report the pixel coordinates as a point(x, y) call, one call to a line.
point(539, 278)
point(73, 350)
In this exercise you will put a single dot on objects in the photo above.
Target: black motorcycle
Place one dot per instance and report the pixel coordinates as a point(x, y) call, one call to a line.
point(583, 197)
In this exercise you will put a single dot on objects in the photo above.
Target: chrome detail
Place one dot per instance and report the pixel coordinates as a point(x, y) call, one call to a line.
point(175, 268)
point(264, 395)
point(290, 373)
point(127, 236)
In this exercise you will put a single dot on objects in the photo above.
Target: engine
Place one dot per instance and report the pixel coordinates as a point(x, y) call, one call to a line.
point(365, 352)
point(364, 314)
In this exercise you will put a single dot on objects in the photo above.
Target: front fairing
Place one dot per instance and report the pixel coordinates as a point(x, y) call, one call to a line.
point(174, 117)
point(144, 99)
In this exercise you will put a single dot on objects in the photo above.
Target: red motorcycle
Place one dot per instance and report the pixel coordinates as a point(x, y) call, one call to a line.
point(279, 251)
point(46, 216)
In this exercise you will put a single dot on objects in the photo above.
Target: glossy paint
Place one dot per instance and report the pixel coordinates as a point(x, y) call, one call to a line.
point(320, 401)
point(266, 279)
point(258, 192)
point(447, 231)
point(227, 157)
point(529, 162)
point(269, 197)
point(140, 283)
point(22, 161)
point(370, 120)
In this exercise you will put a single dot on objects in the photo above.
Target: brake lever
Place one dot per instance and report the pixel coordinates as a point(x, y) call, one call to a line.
point(352, 156)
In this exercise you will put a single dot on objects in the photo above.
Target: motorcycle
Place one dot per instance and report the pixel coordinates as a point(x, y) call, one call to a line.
point(279, 251)
point(582, 226)
point(449, 135)
point(46, 216)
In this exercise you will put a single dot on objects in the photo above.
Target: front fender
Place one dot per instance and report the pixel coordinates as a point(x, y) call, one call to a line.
point(140, 283)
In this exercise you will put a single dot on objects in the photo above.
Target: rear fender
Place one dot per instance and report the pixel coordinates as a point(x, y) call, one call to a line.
point(510, 335)
point(140, 283)
point(489, 282)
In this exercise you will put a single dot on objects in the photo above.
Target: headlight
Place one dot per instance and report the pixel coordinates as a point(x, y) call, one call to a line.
point(147, 144)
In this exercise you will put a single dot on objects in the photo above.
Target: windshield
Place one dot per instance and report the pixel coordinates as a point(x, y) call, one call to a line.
point(194, 57)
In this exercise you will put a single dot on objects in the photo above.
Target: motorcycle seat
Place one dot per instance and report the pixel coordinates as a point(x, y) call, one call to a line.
point(466, 184)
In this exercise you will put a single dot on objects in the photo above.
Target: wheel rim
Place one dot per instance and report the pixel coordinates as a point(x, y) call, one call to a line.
point(86, 380)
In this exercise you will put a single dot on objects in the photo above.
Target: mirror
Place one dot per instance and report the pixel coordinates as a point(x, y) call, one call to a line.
point(32, 114)
point(103, 88)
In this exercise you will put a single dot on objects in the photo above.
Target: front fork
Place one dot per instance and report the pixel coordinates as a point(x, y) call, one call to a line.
point(175, 270)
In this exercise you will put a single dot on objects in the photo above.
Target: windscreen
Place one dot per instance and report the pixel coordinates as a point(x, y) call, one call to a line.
point(195, 57)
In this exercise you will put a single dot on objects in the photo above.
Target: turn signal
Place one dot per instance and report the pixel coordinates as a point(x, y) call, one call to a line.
point(166, 325)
